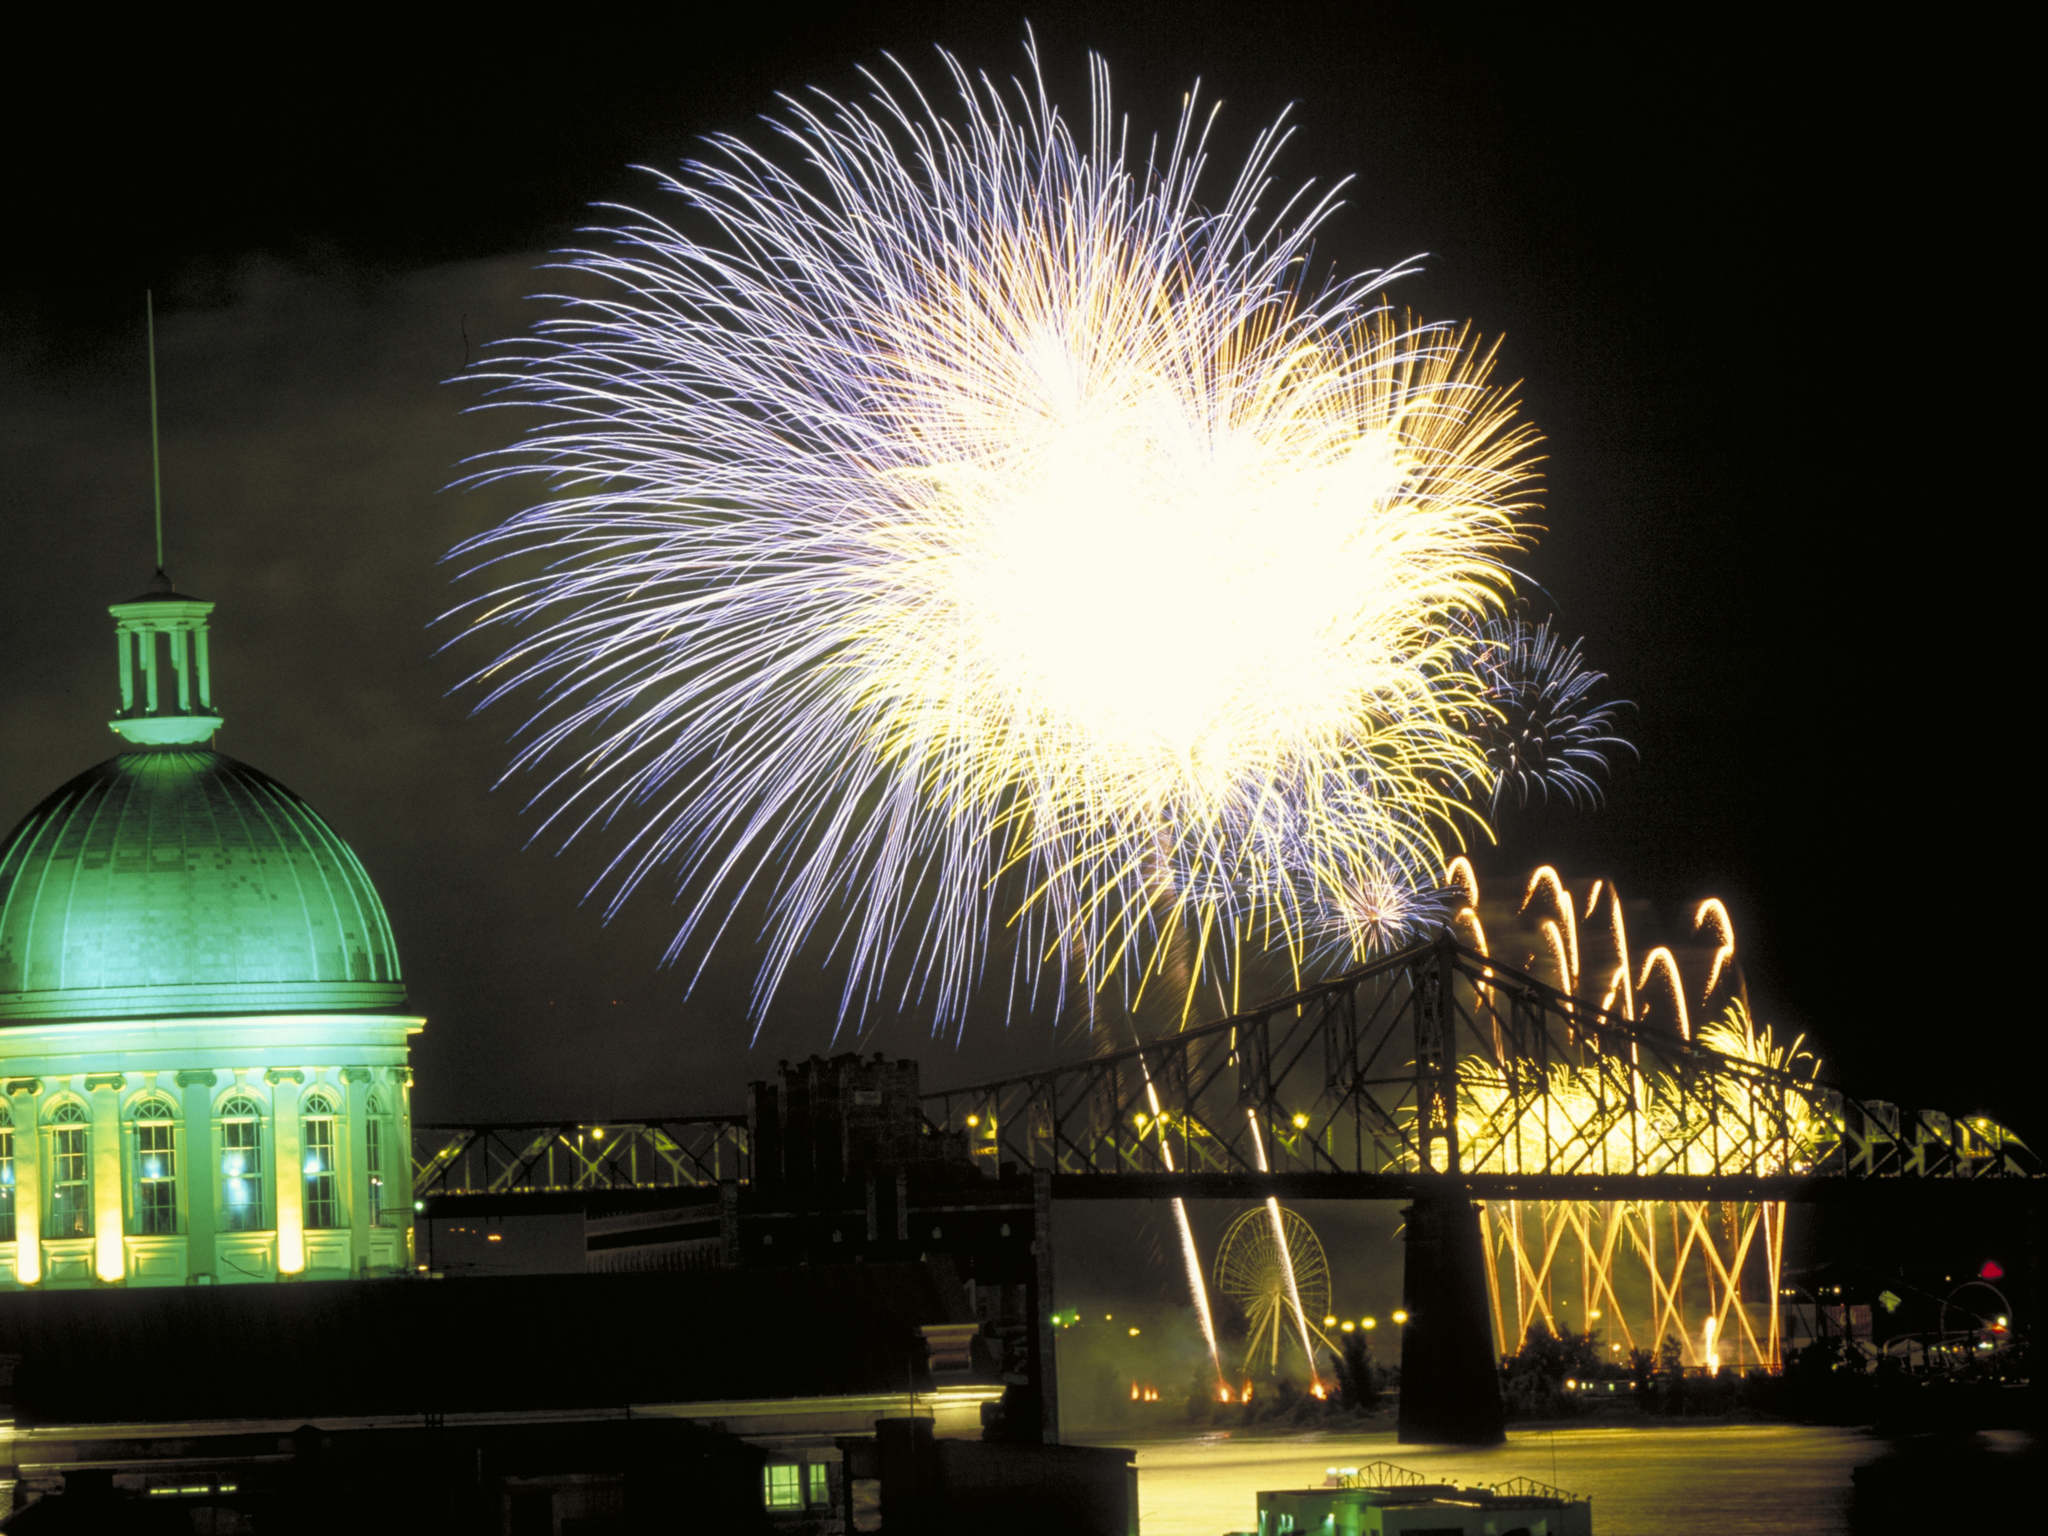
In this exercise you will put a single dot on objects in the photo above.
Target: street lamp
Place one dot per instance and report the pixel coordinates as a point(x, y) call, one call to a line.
point(1400, 1316)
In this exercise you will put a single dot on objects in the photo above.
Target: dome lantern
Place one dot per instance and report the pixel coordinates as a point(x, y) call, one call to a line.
point(159, 710)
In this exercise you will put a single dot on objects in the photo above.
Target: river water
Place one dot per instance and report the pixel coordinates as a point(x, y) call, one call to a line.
point(1712, 1480)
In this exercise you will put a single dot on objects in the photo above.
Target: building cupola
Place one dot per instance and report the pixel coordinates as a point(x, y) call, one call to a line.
point(165, 668)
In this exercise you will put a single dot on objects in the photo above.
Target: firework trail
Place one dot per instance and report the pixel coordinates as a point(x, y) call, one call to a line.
point(947, 520)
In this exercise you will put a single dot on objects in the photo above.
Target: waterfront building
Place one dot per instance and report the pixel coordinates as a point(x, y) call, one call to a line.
point(203, 1038)
point(1383, 1500)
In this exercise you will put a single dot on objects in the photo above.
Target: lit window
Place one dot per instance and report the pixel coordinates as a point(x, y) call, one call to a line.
point(70, 1173)
point(821, 1482)
point(316, 1134)
point(6, 1175)
point(373, 1159)
point(241, 1166)
point(781, 1487)
point(156, 1168)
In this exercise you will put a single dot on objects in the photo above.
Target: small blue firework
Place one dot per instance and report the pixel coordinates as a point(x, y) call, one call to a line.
point(1552, 727)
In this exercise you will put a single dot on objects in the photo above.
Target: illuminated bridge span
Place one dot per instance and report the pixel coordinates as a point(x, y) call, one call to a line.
point(1439, 1068)
point(549, 1157)
point(1432, 1070)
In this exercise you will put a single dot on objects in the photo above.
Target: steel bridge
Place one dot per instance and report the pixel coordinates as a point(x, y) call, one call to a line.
point(1435, 1070)
point(678, 1152)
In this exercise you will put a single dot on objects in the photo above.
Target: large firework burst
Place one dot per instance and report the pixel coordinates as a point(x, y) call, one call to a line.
point(950, 522)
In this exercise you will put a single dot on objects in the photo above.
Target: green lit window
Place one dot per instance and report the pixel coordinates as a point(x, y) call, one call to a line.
point(821, 1482)
point(782, 1486)
point(6, 1175)
point(241, 1166)
point(156, 1168)
point(70, 1173)
point(316, 1138)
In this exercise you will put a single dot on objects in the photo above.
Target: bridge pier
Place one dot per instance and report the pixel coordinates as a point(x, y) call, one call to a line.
point(1450, 1382)
point(1044, 1345)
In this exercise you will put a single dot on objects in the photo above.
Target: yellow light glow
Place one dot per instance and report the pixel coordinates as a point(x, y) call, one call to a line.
point(1349, 1326)
point(1400, 1316)
point(28, 1254)
point(1301, 1122)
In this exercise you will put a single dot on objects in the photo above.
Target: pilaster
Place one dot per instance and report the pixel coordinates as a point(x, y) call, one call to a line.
point(201, 1172)
point(25, 1095)
point(109, 1234)
point(291, 1175)
point(357, 1166)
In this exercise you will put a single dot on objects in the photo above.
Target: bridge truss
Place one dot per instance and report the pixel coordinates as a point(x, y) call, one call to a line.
point(1438, 1066)
point(541, 1157)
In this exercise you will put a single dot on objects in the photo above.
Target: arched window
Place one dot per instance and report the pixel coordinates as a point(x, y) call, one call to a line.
point(316, 1134)
point(241, 1166)
point(70, 1172)
point(155, 1205)
point(6, 1174)
point(373, 1157)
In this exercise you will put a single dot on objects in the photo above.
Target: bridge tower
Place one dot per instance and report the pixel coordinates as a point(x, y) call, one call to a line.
point(1450, 1383)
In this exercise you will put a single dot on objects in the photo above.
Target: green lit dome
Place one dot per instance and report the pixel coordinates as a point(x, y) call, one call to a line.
point(169, 884)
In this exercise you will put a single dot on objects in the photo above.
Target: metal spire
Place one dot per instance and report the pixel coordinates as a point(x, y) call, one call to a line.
point(156, 471)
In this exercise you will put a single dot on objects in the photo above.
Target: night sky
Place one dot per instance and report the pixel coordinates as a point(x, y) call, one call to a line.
point(1755, 281)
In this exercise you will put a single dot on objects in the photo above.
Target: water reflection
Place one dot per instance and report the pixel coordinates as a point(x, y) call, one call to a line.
point(1693, 1480)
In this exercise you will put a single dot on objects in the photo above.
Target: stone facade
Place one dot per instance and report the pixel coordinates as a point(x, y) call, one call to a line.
point(175, 1152)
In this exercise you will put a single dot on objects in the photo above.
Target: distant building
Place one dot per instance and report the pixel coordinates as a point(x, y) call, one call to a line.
point(203, 1050)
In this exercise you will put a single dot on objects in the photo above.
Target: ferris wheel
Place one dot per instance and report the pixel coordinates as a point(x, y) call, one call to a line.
point(1281, 1287)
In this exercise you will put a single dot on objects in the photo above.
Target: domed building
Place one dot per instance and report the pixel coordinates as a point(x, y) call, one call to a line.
point(203, 1043)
